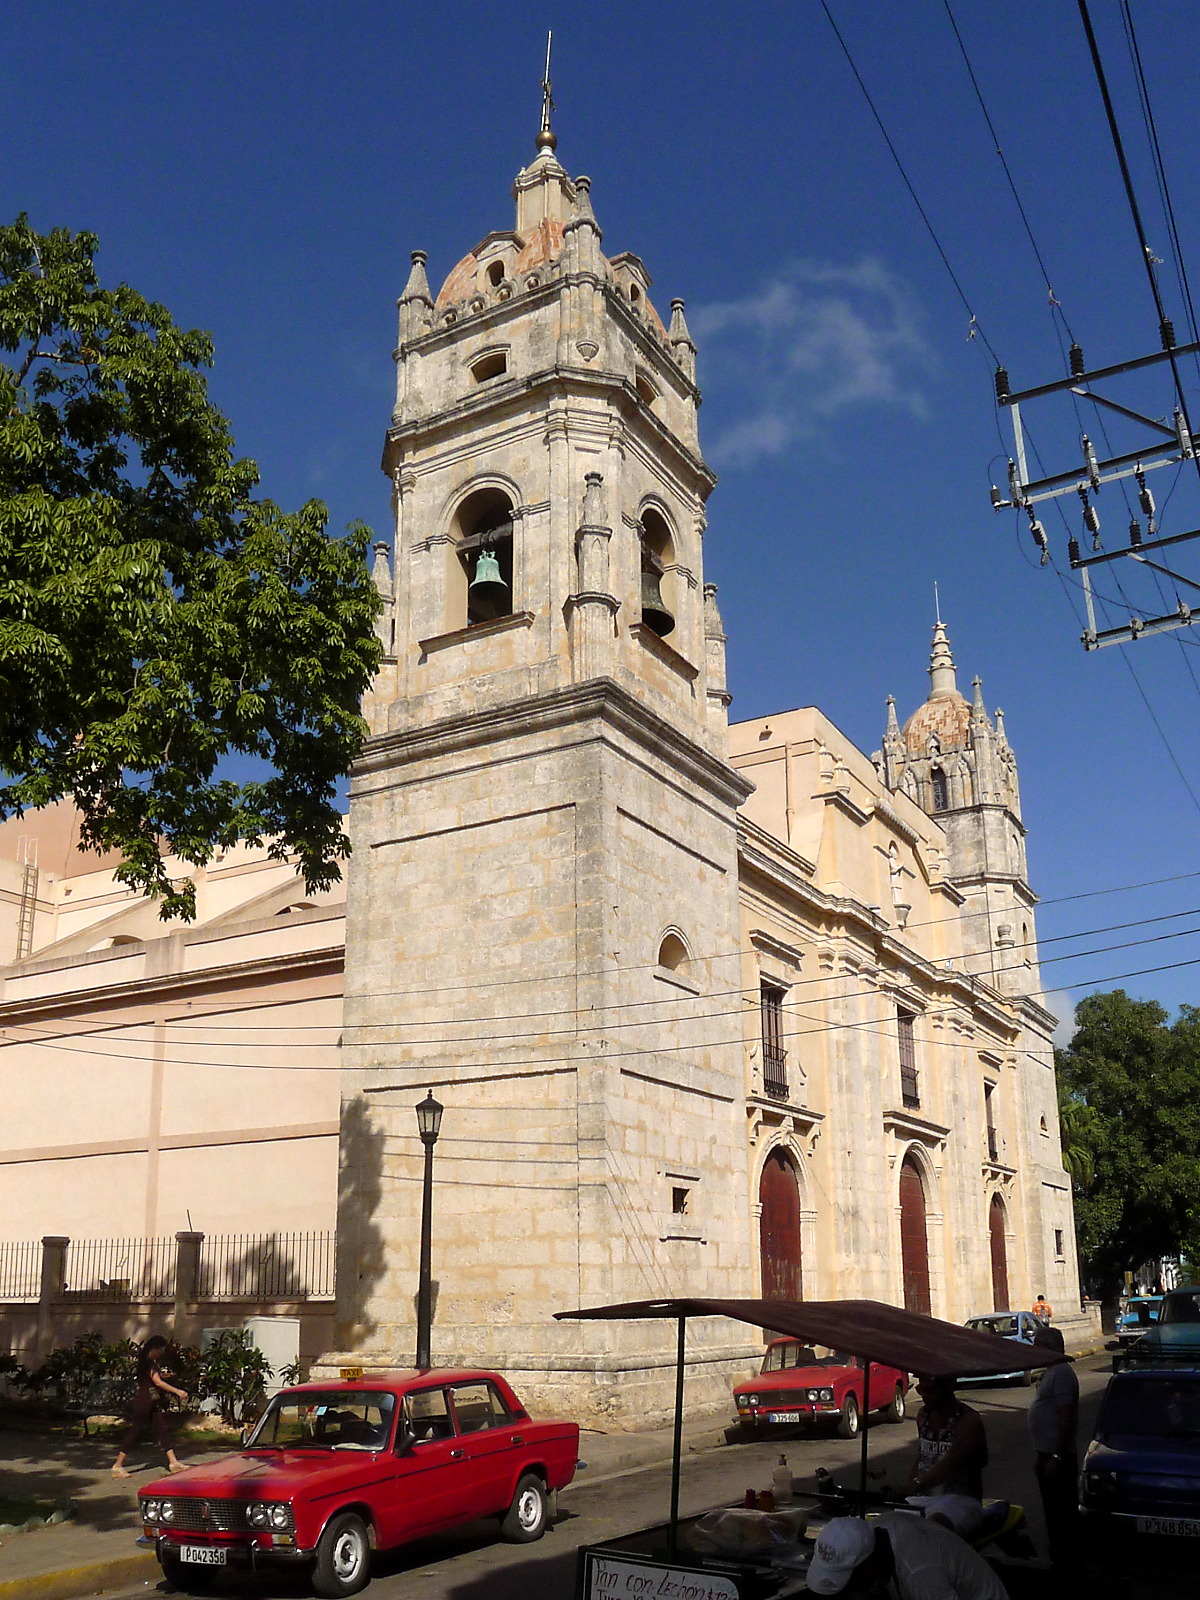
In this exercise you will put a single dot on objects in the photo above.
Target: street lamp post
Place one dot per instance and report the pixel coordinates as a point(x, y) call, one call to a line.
point(429, 1123)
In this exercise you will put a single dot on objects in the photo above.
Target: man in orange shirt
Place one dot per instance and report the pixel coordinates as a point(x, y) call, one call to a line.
point(1042, 1308)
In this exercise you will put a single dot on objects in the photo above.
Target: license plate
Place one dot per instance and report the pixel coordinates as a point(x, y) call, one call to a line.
point(1180, 1526)
point(783, 1416)
point(203, 1555)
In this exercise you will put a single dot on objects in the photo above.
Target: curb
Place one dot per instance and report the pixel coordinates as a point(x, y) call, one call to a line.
point(88, 1578)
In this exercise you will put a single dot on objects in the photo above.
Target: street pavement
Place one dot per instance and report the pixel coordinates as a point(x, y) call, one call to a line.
point(475, 1565)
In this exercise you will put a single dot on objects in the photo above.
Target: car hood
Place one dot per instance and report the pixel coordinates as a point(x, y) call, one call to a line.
point(793, 1378)
point(1134, 1453)
point(267, 1474)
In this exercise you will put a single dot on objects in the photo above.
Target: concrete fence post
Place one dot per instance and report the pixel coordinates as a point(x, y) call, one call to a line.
point(187, 1276)
point(50, 1288)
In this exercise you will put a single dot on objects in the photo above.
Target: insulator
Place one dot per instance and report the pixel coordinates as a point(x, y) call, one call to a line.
point(1091, 517)
point(1186, 449)
point(1073, 550)
point(1039, 535)
point(998, 500)
point(1002, 390)
point(1135, 531)
point(1166, 330)
point(1135, 627)
point(1096, 540)
point(1078, 365)
point(1090, 462)
point(1015, 487)
point(1145, 497)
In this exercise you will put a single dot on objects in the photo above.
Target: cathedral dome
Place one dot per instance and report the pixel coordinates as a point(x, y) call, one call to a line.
point(946, 715)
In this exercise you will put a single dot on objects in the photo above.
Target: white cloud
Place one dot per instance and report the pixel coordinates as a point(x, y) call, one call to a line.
point(1059, 1003)
point(814, 342)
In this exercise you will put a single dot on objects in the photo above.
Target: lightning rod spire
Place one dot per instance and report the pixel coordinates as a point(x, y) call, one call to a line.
point(546, 139)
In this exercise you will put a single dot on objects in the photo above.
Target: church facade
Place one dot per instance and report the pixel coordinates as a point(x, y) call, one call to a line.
point(712, 1010)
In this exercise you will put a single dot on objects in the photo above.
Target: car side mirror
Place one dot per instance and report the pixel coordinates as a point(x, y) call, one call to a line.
point(405, 1439)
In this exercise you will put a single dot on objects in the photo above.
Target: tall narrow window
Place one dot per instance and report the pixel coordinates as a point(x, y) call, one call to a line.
point(775, 1080)
point(909, 1090)
point(993, 1143)
point(484, 548)
point(941, 790)
point(657, 552)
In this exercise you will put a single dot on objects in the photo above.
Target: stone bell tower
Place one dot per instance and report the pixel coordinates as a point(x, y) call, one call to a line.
point(543, 924)
point(959, 767)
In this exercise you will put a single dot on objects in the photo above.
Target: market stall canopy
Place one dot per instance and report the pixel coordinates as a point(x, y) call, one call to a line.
point(886, 1334)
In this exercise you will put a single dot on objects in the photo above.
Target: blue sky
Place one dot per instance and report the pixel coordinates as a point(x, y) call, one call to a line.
point(264, 170)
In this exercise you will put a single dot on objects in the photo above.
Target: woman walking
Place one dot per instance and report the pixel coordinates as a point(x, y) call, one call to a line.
point(147, 1408)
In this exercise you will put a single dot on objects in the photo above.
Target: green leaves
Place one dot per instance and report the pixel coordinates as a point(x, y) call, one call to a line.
point(1130, 1087)
point(155, 618)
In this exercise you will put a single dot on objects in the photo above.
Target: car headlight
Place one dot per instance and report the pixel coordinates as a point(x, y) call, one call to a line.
point(826, 1394)
point(753, 1399)
point(281, 1516)
point(166, 1510)
point(150, 1510)
point(257, 1514)
point(812, 1394)
point(743, 1402)
point(1099, 1482)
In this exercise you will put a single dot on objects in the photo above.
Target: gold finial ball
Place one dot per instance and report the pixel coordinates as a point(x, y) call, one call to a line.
point(547, 140)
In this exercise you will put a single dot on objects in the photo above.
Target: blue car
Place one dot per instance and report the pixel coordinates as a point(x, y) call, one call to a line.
point(1020, 1327)
point(1142, 1470)
point(1173, 1339)
point(1141, 1312)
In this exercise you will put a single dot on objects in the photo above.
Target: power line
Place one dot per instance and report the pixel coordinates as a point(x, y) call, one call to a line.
point(974, 325)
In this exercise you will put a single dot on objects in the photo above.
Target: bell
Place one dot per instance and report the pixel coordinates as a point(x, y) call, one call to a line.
point(488, 594)
point(654, 612)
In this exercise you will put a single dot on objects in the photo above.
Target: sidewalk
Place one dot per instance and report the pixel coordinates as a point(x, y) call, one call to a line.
point(96, 1549)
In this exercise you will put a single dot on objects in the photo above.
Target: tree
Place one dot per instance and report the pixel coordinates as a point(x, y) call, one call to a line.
point(156, 618)
point(1131, 1081)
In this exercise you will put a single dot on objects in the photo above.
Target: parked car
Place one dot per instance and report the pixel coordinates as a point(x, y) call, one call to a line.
point(334, 1470)
point(1174, 1338)
point(1141, 1312)
point(803, 1383)
point(1020, 1327)
point(1142, 1469)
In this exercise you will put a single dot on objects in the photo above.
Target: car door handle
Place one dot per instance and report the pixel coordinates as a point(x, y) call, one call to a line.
point(457, 1455)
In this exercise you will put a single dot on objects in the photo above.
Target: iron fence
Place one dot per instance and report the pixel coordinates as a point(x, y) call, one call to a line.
point(266, 1266)
point(20, 1269)
point(120, 1269)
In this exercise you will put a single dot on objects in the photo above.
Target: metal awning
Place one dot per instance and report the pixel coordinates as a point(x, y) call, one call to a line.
point(881, 1333)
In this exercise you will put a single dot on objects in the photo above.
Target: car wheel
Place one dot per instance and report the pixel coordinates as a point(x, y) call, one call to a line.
point(848, 1421)
point(343, 1557)
point(895, 1412)
point(525, 1520)
point(185, 1577)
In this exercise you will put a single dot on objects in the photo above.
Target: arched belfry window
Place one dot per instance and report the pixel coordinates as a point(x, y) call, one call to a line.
point(484, 550)
point(657, 553)
point(941, 789)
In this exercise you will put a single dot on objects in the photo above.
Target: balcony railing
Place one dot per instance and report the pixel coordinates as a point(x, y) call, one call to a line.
point(910, 1094)
point(775, 1078)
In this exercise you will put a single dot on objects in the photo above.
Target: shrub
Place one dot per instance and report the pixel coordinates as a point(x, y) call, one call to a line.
point(234, 1373)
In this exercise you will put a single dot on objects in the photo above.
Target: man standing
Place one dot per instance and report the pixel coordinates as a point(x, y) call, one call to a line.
point(1053, 1426)
point(1042, 1307)
point(947, 1476)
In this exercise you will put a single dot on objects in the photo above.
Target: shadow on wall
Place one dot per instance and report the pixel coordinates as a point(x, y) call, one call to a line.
point(360, 1261)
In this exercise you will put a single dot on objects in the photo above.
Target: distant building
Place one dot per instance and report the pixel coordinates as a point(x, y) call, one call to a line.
point(719, 1010)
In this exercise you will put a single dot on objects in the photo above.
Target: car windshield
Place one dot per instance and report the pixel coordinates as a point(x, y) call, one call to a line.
point(1179, 1307)
point(1152, 1407)
point(1006, 1327)
point(791, 1353)
point(1137, 1310)
point(338, 1420)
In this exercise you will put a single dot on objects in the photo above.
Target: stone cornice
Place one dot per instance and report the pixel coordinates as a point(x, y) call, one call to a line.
point(600, 699)
point(476, 630)
point(912, 1127)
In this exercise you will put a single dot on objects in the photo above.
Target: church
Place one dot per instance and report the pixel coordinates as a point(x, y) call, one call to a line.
point(713, 1008)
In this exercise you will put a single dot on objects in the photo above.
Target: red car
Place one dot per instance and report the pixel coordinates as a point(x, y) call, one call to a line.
point(800, 1383)
point(333, 1471)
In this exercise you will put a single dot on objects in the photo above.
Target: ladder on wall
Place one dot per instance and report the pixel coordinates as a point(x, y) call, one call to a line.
point(29, 889)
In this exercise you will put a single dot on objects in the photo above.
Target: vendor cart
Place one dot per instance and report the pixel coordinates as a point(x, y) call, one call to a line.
point(664, 1562)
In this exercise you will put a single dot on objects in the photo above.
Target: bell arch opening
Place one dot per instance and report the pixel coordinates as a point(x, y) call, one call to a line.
point(657, 554)
point(779, 1238)
point(673, 954)
point(480, 577)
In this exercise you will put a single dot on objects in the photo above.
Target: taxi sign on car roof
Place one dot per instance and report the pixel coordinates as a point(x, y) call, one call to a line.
point(350, 1374)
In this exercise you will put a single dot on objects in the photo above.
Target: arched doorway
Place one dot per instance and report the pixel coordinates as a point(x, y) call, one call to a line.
point(997, 1226)
point(914, 1242)
point(779, 1228)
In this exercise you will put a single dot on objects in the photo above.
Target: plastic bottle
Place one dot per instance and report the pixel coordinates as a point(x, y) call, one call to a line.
point(782, 1479)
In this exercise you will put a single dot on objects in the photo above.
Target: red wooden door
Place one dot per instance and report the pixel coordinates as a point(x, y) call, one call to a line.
point(779, 1229)
point(914, 1243)
point(996, 1228)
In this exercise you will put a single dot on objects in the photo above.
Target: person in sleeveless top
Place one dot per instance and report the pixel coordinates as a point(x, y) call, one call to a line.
point(147, 1408)
point(952, 1451)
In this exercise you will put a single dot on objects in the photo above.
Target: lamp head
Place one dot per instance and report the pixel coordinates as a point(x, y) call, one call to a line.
point(429, 1118)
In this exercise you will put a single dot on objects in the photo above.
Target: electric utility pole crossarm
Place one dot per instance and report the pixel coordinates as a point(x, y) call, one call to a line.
point(1163, 444)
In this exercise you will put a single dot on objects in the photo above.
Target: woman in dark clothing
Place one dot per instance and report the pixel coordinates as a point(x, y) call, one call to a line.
point(147, 1408)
